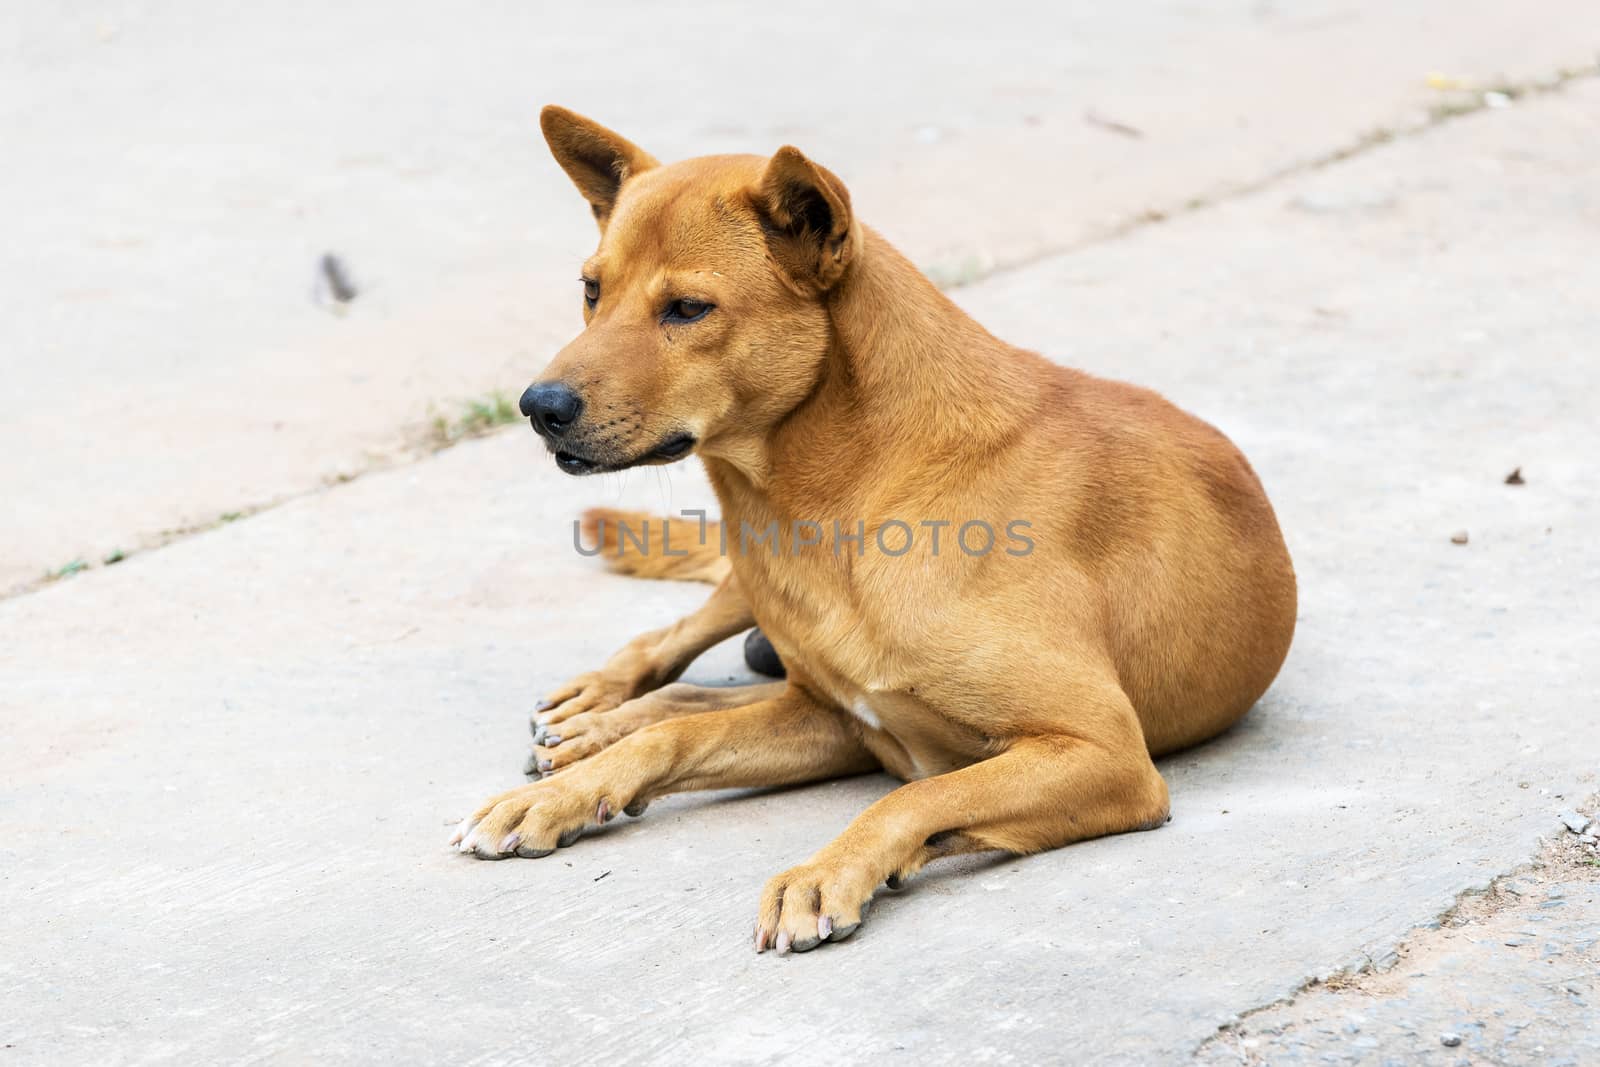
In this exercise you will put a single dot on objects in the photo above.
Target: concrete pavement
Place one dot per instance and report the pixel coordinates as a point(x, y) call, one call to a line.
point(179, 169)
point(232, 763)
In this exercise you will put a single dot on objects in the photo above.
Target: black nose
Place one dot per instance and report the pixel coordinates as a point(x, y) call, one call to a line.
point(552, 407)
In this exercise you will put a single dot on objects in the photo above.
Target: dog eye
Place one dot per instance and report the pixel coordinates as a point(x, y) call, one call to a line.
point(686, 310)
point(591, 292)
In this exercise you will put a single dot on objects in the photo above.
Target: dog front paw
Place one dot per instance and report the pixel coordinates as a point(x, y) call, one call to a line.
point(534, 820)
point(562, 744)
point(585, 734)
point(813, 903)
point(599, 690)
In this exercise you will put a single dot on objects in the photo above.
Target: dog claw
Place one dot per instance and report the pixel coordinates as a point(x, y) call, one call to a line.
point(552, 740)
point(461, 831)
point(602, 811)
point(783, 942)
point(544, 765)
point(761, 939)
point(541, 705)
point(509, 843)
point(824, 926)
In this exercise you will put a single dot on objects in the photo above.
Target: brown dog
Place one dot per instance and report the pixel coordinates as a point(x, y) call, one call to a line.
point(1136, 597)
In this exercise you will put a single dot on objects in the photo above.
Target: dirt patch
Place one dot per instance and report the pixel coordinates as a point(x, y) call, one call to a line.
point(1508, 975)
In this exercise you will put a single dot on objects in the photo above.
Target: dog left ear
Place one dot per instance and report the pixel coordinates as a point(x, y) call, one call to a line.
point(805, 211)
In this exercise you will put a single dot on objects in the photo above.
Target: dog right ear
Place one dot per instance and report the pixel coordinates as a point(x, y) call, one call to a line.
point(597, 160)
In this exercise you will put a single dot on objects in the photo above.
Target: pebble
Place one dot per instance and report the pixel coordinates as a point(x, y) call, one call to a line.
point(1575, 821)
point(1449, 1040)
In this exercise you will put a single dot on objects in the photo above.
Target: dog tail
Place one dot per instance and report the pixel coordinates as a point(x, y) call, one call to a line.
point(649, 546)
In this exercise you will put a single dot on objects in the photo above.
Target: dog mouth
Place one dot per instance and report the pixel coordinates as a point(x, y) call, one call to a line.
point(671, 450)
point(572, 464)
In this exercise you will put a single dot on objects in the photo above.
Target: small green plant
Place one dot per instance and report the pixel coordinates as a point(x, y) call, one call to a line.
point(66, 571)
point(231, 516)
point(477, 417)
point(116, 555)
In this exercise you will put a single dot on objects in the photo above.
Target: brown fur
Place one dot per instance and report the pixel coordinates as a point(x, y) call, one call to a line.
point(1021, 697)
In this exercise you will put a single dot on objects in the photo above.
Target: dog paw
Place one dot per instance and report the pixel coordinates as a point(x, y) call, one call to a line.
point(534, 820)
point(581, 735)
point(599, 690)
point(811, 904)
point(565, 743)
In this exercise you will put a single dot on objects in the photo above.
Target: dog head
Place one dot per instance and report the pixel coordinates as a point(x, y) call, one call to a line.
point(703, 307)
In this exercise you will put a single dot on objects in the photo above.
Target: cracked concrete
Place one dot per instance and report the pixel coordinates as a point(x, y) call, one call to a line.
point(232, 764)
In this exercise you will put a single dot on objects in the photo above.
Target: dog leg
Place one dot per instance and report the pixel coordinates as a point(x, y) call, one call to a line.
point(1040, 793)
point(586, 733)
point(647, 662)
point(788, 739)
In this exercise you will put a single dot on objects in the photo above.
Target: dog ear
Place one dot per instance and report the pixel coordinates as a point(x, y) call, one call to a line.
point(805, 211)
point(597, 160)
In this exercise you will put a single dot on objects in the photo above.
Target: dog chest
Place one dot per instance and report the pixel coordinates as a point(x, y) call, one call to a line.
point(862, 710)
